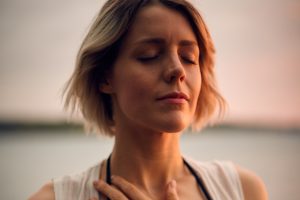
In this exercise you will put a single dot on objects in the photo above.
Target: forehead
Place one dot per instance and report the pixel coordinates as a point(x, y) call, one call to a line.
point(158, 21)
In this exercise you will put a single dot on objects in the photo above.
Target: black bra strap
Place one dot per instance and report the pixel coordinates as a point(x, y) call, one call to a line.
point(108, 173)
point(199, 181)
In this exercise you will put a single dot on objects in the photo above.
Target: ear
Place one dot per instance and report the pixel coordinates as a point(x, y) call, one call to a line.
point(106, 87)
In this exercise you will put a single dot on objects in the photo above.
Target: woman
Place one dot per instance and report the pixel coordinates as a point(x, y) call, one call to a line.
point(144, 73)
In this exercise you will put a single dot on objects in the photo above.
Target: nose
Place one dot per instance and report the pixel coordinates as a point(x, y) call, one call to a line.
point(175, 71)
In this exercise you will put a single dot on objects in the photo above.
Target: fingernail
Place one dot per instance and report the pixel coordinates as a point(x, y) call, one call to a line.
point(112, 177)
point(95, 182)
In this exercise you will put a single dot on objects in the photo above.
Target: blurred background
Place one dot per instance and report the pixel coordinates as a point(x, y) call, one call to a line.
point(257, 65)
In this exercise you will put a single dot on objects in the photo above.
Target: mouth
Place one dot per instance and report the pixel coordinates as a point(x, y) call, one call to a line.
point(174, 97)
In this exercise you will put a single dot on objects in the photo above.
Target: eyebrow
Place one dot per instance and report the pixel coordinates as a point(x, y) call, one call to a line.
point(188, 43)
point(162, 41)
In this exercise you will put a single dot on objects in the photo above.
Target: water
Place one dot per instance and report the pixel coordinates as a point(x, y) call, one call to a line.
point(28, 160)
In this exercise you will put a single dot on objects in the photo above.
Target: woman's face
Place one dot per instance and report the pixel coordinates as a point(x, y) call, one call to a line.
point(156, 80)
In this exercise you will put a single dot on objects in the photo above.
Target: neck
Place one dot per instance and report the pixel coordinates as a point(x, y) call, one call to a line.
point(146, 159)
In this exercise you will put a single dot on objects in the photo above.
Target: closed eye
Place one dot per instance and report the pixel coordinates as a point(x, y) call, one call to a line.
point(147, 58)
point(189, 60)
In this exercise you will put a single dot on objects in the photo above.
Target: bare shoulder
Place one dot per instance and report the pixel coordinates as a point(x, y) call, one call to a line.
point(253, 186)
point(46, 193)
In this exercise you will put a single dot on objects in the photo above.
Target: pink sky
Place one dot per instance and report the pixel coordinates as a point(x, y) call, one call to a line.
point(257, 42)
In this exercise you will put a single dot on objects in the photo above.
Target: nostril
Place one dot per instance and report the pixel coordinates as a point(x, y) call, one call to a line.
point(175, 75)
point(182, 78)
point(174, 70)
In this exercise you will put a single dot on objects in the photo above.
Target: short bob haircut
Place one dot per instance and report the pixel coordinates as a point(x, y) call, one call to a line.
point(100, 49)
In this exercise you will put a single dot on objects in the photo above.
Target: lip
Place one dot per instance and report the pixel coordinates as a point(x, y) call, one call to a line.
point(177, 96)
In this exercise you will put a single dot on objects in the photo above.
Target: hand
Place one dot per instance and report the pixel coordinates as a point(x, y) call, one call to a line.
point(124, 190)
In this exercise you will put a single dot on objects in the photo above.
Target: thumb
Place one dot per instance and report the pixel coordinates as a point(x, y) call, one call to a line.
point(171, 191)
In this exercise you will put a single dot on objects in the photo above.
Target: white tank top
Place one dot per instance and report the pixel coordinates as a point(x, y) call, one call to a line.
point(220, 178)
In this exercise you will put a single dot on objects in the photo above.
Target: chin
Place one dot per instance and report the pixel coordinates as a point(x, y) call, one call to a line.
point(167, 124)
point(174, 127)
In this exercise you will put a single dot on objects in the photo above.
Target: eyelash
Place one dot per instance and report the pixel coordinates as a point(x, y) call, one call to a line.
point(147, 58)
point(151, 58)
point(190, 61)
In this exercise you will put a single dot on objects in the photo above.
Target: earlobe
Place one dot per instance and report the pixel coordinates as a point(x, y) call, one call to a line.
point(106, 87)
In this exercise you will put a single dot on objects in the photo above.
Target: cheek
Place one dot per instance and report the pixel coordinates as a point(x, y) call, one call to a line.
point(195, 84)
point(198, 85)
point(136, 92)
point(132, 91)
point(195, 81)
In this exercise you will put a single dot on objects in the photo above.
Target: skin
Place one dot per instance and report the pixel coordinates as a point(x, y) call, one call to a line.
point(154, 62)
point(156, 58)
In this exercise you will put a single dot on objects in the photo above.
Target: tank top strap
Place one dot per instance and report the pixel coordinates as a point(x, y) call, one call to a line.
point(220, 178)
point(199, 181)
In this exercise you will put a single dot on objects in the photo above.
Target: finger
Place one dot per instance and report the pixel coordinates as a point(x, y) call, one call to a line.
point(128, 188)
point(109, 191)
point(171, 191)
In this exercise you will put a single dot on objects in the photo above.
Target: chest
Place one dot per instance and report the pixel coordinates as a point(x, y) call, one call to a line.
point(190, 189)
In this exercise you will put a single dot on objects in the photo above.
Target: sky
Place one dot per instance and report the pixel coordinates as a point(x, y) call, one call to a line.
point(257, 59)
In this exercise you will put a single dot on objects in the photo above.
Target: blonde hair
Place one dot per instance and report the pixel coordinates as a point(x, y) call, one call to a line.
point(100, 48)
